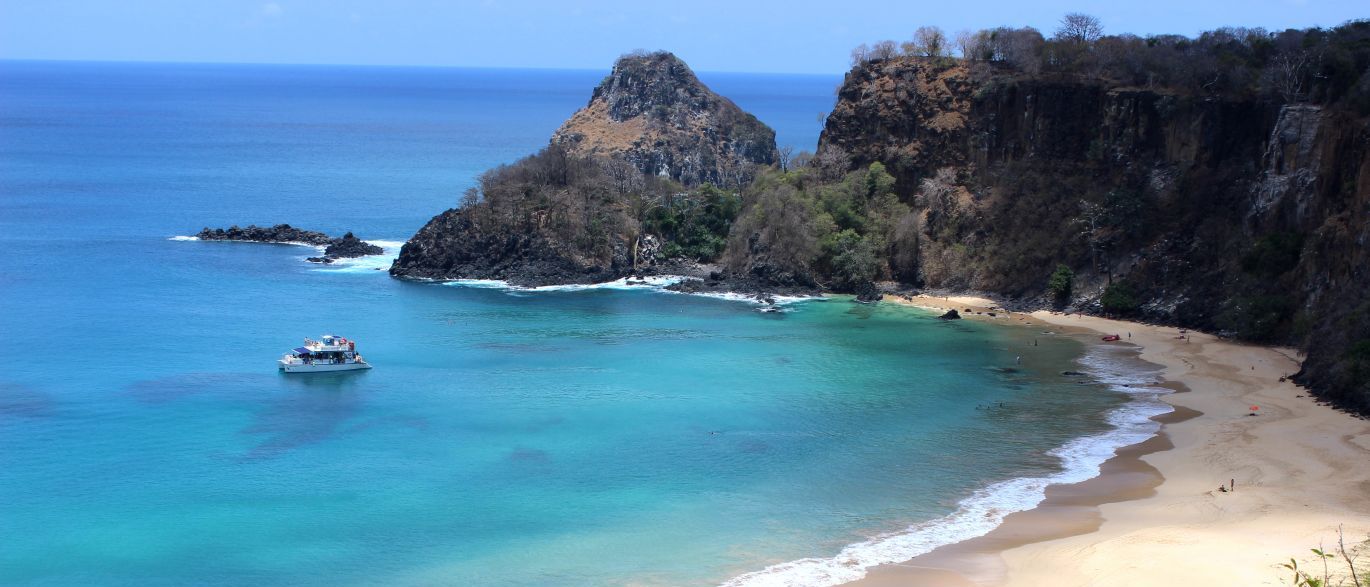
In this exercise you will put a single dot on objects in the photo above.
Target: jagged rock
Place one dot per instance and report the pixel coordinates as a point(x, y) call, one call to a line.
point(280, 233)
point(652, 112)
point(951, 315)
point(335, 248)
point(350, 246)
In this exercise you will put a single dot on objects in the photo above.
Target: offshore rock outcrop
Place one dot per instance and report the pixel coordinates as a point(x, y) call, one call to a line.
point(1241, 216)
point(654, 113)
point(280, 233)
point(346, 246)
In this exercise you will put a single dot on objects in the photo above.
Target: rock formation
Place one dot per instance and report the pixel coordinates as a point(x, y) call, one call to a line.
point(654, 113)
point(1230, 214)
point(335, 248)
point(573, 212)
point(280, 233)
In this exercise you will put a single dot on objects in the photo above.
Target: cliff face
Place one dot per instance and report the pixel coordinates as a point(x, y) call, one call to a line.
point(654, 113)
point(1228, 215)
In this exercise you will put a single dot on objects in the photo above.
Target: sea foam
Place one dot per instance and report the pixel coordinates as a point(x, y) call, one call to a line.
point(987, 507)
point(368, 263)
point(656, 283)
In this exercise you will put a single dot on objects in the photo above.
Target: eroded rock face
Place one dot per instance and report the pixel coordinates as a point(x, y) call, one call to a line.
point(1219, 212)
point(654, 113)
point(459, 244)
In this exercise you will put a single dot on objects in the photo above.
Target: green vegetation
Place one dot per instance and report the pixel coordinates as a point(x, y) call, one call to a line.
point(694, 225)
point(815, 222)
point(1060, 284)
point(1273, 255)
point(1119, 298)
point(1336, 568)
point(1260, 318)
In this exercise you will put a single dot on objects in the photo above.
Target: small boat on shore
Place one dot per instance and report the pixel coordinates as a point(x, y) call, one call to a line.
point(1111, 338)
point(332, 353)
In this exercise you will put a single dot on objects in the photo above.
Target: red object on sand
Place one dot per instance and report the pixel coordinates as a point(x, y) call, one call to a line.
point(1112, 337)
point(1254, 408)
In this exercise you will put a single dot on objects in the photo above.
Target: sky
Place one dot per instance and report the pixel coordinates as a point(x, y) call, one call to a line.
point(711, 35)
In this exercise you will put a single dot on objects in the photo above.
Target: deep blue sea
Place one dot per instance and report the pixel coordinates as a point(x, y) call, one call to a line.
point(601, 436)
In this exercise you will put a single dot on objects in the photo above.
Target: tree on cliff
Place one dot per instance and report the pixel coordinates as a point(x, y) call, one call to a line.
point(928, 41)
point(774, 236)
point(1078, 28)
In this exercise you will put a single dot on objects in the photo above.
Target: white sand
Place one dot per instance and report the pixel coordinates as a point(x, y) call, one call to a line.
point(1301, 469)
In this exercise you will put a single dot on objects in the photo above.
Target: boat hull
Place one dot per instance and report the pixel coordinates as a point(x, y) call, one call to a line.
point(321, 367)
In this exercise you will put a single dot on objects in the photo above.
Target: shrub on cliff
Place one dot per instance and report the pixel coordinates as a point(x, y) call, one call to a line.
point(1260, 318)
point(1060, 284)
point(694, 224)
point(853, 260)
point(1119, 298)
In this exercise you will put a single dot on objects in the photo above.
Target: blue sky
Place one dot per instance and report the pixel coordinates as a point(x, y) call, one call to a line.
point(711, 35)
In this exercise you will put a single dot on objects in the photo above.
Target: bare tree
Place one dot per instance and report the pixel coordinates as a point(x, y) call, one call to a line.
point(930, 41)
point(1080, 28)
point(860, 55)
point(883, 50)
point(785, 157)
point(965, 43)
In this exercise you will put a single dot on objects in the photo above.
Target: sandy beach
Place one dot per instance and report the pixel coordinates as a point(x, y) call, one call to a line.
point(1155, 515)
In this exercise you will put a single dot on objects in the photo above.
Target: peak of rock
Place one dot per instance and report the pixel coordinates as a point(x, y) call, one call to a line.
point(653, 112)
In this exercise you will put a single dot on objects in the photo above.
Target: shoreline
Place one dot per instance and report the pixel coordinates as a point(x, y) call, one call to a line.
point(1153, 515)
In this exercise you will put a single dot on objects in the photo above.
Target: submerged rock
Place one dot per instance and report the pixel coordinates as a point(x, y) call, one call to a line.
point(951, 315)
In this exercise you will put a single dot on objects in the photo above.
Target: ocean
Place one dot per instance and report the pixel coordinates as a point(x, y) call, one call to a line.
point(566, 436)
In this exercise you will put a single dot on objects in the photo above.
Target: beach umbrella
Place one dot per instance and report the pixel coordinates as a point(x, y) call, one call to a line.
point(1254, 408)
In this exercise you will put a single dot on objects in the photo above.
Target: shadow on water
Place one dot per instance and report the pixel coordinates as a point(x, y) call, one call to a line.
point(21, 401)
point(314, 409)
point(291, 411)
point(186, 385)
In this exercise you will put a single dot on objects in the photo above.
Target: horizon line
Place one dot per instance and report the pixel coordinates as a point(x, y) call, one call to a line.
point(384, 65)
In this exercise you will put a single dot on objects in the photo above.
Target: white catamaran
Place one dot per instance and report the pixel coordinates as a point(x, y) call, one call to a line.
point(333, 353)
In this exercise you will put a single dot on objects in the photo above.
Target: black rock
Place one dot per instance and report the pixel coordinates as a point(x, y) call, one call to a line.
point(867, 294)
point(350, 246)
point(280, 233)
point(951, 315)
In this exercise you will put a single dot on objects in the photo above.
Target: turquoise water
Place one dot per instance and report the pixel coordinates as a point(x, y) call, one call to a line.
point(604, 436)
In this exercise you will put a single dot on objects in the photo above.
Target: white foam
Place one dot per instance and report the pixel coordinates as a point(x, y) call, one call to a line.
point(183, 238)
point(656, 283)
point(985, 509)
point(390, 249)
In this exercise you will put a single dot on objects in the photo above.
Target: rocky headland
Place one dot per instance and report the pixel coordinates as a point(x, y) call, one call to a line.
point(1152, 182)
point(599, 203)
point(343, 247)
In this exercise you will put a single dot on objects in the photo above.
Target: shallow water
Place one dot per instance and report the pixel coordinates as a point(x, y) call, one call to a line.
point(600, 436)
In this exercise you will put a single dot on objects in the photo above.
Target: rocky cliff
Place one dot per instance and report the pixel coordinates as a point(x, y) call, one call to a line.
point(1229, 214)
point(593, 206)
point(654, 113)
